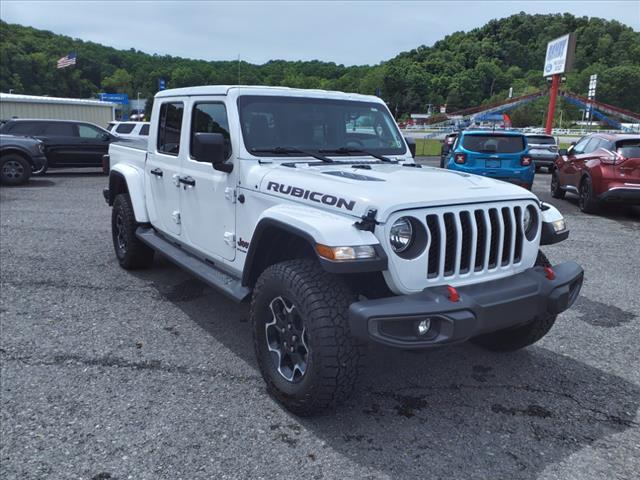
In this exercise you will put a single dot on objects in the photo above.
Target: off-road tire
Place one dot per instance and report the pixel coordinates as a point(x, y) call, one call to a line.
point(586, 200)
point(516, 338)
point(334, 356)
point(556, 190)
point(14, 170)
point(133, 254)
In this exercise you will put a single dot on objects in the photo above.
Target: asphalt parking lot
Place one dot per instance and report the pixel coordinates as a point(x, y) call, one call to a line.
point(108, 374)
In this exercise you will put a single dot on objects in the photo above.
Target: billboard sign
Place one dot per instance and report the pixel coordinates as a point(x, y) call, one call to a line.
point(120, 98)
point(560, 53)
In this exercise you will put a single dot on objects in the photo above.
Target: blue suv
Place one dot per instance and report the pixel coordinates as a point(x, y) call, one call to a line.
point(503, 155)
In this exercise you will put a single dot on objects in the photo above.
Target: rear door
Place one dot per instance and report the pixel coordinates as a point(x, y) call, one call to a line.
point(208, 202)
point(62, 143)
point(162, 169)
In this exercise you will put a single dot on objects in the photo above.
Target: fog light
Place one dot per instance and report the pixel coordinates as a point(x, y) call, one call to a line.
point(424, 326)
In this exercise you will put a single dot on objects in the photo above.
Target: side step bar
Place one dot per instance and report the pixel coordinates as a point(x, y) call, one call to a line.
point(206, 272)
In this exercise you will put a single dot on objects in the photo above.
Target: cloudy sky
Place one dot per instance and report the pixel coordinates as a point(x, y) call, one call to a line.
point(359, 32)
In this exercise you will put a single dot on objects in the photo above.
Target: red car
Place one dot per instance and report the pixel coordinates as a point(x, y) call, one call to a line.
point(599, 168)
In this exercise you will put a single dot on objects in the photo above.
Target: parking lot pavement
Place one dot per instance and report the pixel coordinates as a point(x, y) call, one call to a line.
point(108, 374)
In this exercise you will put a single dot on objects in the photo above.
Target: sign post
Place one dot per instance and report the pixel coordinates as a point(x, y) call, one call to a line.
point(559, 59)
point(593, 82)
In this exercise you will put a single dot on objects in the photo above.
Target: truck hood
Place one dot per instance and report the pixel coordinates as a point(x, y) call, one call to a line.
point(385, 188)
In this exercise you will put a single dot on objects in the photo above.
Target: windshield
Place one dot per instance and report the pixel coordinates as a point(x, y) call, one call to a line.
point(494, 143)
point(541, 140)
point(314, 124)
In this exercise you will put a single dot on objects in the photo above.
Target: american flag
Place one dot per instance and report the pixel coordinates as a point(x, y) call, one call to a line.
point(67, 61)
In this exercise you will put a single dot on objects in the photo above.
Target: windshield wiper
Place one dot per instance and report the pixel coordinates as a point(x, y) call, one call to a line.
point(349, 151)
point(291, 150)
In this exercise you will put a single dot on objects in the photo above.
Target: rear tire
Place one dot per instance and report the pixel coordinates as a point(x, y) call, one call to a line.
point(556, 190)
point(586, 200)
point(305, 351)
point(132, 254)
point(14, 170)
point(516, 338)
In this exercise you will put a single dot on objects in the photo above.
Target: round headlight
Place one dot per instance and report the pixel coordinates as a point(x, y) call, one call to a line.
point(401, 235)
point(529, 222)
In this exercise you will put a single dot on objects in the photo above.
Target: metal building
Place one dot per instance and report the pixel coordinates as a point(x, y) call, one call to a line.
point(30, 106)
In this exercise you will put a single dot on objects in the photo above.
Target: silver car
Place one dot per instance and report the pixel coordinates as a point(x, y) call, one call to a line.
point(543, 150)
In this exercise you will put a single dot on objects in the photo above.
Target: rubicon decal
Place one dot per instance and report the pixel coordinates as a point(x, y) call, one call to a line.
point(318, 197)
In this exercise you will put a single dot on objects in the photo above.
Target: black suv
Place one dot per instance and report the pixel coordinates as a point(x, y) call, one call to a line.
point(67, 143)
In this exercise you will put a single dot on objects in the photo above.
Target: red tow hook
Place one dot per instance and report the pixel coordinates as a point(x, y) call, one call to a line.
point(548, 271)
point(454, 296)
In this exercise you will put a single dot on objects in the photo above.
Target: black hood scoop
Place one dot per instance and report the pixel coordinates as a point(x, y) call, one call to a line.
point(353, 176)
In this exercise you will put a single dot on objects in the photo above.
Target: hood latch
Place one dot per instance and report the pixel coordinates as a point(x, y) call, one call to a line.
point(368, 222)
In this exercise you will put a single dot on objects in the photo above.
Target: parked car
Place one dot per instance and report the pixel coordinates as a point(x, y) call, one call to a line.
point(543, 150)
point(500, 154)
point(19, 157)
point(67, 143)
point(447, 143)
point(129, 129)
point(599, 168)
point(338, 237)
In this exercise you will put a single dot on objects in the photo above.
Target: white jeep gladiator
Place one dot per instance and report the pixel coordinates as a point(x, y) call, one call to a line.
point(309, 203)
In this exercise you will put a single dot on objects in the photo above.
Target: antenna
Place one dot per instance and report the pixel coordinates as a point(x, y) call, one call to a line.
point(238, 69)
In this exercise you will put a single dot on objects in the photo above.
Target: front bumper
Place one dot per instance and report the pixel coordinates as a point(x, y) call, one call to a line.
point(38, 161)
point(622, 195)
point(482, 308)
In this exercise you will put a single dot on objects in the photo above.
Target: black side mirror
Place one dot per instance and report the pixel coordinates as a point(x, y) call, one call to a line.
point(563, 151)
point(106, 137)
point(412, 145)
point(209, 147)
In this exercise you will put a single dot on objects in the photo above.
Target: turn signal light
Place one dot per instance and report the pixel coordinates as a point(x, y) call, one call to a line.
point(460, 157)
point(525, 160)
point(359, 252)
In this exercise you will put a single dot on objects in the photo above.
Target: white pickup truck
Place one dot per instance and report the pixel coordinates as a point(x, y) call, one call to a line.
point(309, 204)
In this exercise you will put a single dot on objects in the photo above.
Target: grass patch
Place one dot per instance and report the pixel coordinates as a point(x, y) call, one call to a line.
point(428, 147)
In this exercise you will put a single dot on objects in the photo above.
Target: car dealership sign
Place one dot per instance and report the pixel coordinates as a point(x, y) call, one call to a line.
point(560, 53)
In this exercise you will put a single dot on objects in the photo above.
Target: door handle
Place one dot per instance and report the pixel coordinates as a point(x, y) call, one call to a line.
point(157, 172)
point(187, 181)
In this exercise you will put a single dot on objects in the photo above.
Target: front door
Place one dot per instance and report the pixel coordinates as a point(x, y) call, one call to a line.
point(162, 170)
point(207, 195)
point(94, 143)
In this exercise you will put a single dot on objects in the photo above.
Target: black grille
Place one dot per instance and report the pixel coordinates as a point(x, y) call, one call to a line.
point(498, 238)
point(434, 249)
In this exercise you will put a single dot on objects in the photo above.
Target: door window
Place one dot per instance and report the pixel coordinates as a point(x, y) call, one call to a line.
point(87, 131)
point(125, 128)
point(169, 128)
point(593, 145)
point(60, 129)
point(580, 146)
point(23, 128)
point(210, 118)
point(144, 130)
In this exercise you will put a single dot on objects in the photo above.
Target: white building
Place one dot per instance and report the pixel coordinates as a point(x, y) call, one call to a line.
point(31, 106)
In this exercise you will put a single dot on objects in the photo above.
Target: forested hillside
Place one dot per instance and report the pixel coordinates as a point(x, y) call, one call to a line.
point(462, 70)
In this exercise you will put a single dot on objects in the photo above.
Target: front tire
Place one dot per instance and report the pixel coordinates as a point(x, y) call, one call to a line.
point(132, 254)
point(511, 339)
point(14, 170)
point(302, 340)
point(556, 190)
